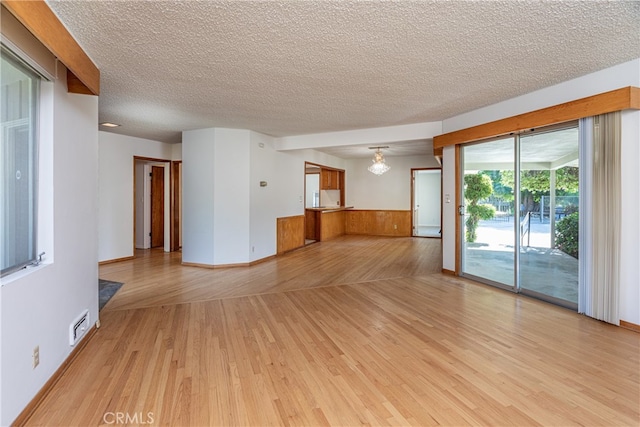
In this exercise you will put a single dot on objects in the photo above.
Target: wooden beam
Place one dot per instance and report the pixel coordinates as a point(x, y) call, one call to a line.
point(75, 85)
point(615, 100)
point(40, 20)
point(635, 98)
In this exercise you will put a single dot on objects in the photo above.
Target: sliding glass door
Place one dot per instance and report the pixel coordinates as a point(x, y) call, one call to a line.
point(549, 183)
point(488, 223)
point(519, 222)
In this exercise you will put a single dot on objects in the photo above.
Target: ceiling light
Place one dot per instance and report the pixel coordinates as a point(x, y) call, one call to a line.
point(379, 166)
point(109, 125)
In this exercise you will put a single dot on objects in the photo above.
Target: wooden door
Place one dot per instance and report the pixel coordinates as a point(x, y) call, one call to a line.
point(157, 206)
point(176, 194)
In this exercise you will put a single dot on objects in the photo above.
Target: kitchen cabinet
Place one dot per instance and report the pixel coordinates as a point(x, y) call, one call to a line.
point(329, 179)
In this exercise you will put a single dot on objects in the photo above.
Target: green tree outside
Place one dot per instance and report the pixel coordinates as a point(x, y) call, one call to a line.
point(536, 183)
point(477, 187)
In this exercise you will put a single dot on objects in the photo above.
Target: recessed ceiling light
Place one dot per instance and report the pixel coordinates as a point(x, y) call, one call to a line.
point(109, 125)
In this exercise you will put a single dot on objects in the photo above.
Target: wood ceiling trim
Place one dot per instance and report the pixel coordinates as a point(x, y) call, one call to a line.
point(40, 20)
point(615, 100)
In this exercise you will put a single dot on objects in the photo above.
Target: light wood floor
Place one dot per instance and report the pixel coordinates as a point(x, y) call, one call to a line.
point(347, 332)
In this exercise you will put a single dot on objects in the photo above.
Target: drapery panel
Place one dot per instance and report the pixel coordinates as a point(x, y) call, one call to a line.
point(604, 284)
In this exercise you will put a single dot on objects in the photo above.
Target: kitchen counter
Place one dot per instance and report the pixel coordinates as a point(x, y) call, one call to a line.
point(327, 209)
point(323, 223)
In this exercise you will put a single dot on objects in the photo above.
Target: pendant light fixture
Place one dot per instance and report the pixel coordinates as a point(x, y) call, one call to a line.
point(379, 166)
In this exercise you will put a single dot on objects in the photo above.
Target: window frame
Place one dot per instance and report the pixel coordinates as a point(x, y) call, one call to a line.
point(32, 121)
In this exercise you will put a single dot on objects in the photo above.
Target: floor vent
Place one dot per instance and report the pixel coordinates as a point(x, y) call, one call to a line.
point(78, 328)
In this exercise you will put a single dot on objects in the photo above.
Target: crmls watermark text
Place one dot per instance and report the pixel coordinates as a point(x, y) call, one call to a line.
point(139, 418)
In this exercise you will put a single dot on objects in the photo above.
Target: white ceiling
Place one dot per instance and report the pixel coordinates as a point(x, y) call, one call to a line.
point(300, 67)
point(539, 151)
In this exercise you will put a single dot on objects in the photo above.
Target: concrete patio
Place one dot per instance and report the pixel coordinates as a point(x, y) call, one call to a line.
point(542, 269)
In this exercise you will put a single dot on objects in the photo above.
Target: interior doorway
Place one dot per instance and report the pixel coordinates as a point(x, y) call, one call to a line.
point(152, 207)
point(312, 201)
point(426, 196)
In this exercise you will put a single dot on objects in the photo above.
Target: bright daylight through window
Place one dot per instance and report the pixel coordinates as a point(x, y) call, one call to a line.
point(19, 94)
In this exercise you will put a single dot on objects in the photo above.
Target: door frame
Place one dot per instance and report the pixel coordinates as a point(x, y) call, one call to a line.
point(461, 210)
point(157, 213)
point(175, 203)
point(174, 207)
point(413, 170)
point(460, 203)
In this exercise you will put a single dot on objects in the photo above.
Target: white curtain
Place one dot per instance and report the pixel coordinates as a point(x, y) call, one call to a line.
point(601, 261)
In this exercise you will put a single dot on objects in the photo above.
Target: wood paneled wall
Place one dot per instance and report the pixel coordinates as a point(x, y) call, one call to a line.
point(290, 233)
point(311, 224)
point(333, 225)
point(293, 230)
point(378, 222)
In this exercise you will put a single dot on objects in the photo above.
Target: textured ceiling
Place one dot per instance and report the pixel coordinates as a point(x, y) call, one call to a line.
point(300, 67)
point(395, 149)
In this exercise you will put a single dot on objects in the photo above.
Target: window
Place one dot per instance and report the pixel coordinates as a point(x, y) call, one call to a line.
point(19, 94)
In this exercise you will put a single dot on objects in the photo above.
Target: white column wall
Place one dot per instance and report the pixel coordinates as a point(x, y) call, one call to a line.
point(38, 306)
point(198, 177)
point(231, 196)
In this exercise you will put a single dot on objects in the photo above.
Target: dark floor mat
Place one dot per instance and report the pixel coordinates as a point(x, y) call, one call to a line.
point(107, 289)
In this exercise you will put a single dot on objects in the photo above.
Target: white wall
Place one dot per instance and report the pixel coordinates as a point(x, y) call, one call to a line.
point(116, 153)
point(284, 195)
point(449, 209)
point(198, 154)
point(390, 191)
point(630, 239)
point(623, 75)
point(216, 202)
point(231, 214)
point(37, 308)
point(265, 202)
point(227, 217)
point(329, 198)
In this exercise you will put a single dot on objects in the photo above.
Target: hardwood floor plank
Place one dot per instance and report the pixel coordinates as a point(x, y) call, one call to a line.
point(354, 331)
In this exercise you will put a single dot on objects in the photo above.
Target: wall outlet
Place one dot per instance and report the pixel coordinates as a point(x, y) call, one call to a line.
point(395, 226)
point(36, 356)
